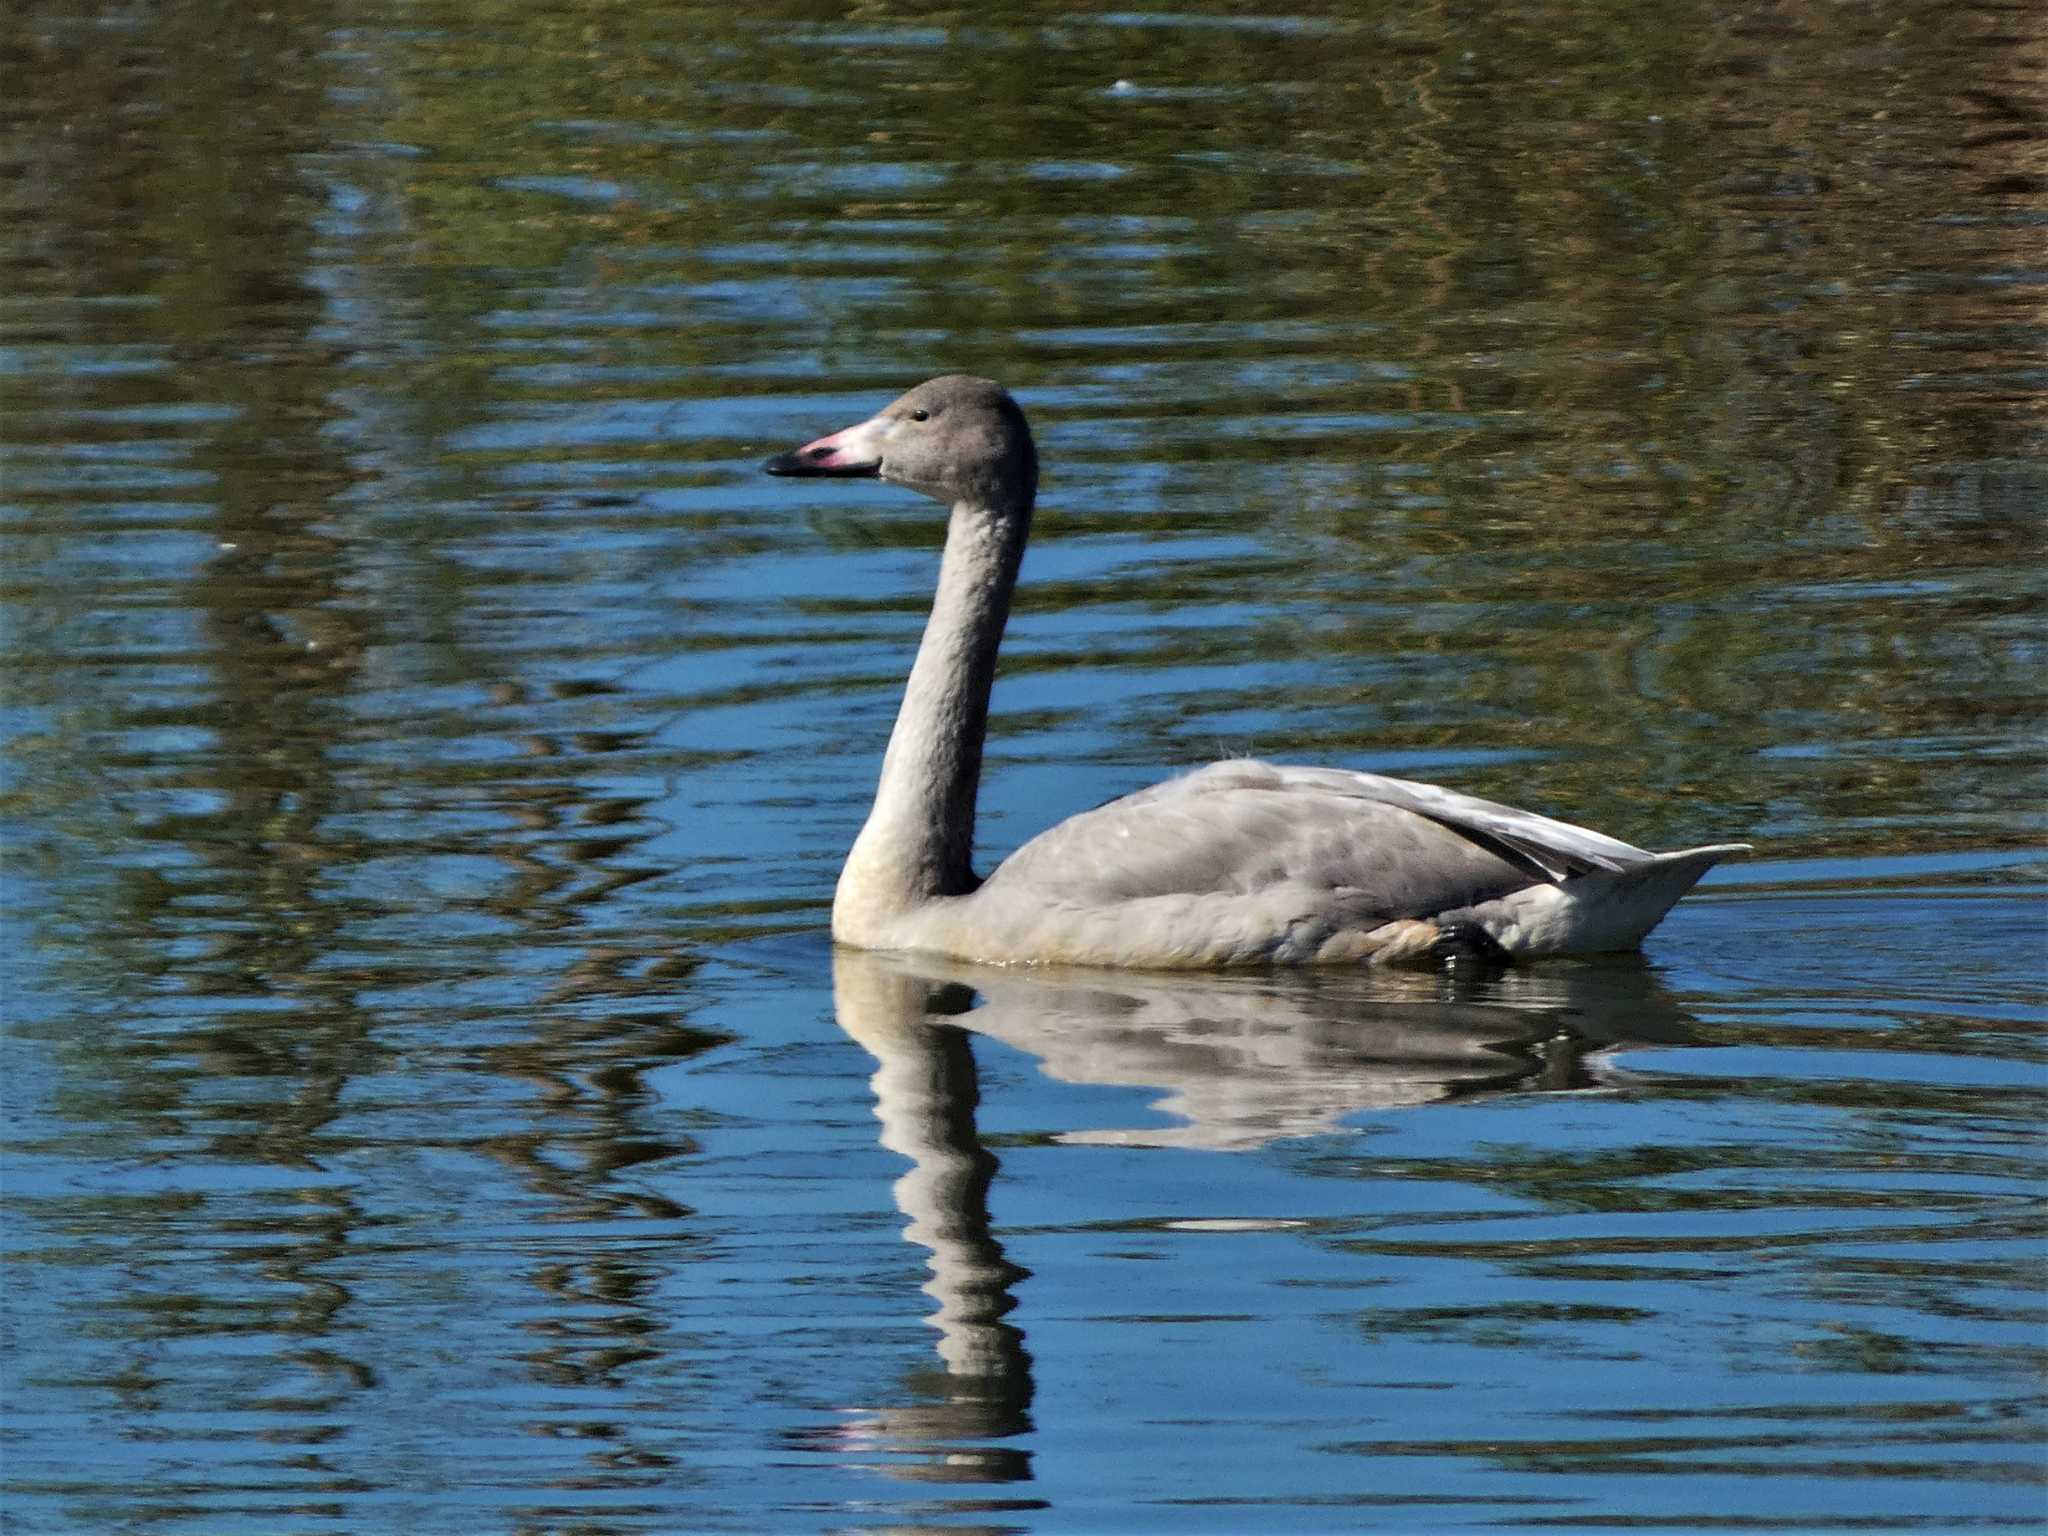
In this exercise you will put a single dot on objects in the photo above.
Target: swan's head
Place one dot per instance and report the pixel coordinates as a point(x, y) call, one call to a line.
point(955, 438)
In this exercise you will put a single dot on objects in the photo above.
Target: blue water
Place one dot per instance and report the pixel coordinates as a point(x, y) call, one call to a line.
point(431, 1101)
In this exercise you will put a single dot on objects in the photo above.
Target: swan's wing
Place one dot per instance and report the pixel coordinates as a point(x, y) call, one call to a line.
point(1388, 847)
point(1555, 850)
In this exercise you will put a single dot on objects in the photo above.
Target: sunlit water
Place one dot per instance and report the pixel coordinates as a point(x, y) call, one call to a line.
point(432, 1103)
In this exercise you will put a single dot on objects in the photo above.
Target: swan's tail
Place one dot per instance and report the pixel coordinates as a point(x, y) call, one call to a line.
point(1593, 913)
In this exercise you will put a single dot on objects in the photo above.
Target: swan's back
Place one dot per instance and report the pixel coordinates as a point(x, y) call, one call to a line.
point(1317, 811)
point(1242, 827)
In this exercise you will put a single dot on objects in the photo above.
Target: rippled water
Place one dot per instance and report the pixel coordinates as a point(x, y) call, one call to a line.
point(432, 1103)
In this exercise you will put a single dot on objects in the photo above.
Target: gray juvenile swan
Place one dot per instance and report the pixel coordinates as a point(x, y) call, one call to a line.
point(1239, 863)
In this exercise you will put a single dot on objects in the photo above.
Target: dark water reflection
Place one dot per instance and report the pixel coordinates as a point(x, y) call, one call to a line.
point(427, 745)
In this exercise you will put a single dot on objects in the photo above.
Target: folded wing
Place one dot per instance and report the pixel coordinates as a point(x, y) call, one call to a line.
point(1387, 847)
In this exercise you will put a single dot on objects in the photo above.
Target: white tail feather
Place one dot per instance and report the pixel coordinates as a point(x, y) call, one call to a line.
point(1603, 910)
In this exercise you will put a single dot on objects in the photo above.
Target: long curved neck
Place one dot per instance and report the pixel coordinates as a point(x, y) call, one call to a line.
point(919, 837)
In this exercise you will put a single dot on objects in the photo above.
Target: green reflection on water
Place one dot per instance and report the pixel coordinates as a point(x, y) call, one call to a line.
point(410, 690)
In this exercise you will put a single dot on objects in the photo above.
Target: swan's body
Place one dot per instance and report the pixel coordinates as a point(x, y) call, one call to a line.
point(1239, 863)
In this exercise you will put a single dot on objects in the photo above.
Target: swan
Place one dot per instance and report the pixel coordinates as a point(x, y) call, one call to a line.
point(1239, 863)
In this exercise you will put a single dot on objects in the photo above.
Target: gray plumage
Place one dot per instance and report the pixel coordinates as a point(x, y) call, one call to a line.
point(1238, 863)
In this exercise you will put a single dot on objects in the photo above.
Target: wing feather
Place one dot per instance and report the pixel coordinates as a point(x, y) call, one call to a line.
point(1385, 847)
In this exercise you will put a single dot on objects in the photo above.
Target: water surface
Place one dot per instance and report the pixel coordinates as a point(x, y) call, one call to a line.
point(428, 745)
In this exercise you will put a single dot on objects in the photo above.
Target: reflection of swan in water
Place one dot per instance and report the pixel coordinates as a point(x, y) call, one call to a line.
point(1245, 1060)
point(1248, 1059)
point(926, 1092)
point(1240, 863)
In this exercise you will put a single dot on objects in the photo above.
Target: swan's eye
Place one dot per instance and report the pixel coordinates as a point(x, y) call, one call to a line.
point(920, 415)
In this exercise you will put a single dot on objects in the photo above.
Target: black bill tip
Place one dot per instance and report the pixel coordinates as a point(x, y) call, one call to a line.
point(800, 462)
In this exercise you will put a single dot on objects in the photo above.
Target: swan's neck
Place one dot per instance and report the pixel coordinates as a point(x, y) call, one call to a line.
point(919, 838)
